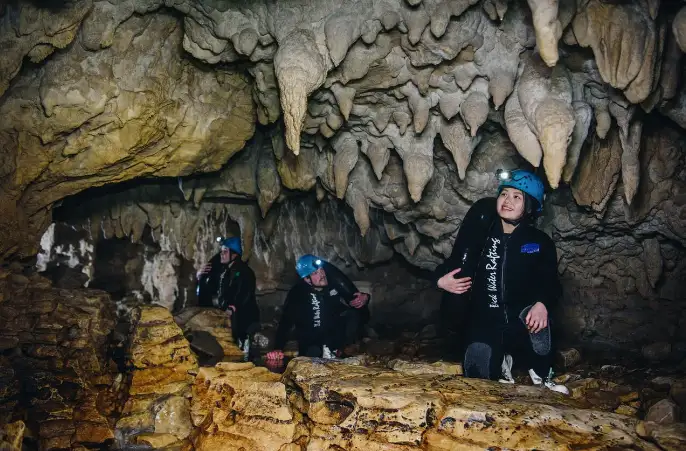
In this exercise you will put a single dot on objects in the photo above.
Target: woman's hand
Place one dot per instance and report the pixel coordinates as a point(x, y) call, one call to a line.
point(452, 285)
point(537, 318)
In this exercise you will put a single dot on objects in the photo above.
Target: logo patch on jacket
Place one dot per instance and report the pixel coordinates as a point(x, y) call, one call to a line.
point(530, 248)
point(333, 292)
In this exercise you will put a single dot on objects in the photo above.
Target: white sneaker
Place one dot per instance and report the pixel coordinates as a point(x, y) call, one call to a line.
point(548, 383)
point(506, 368)
point(326, 353)
point(244, 345)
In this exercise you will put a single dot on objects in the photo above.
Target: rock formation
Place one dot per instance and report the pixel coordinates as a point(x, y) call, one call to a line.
point(157, 412)
point(321, 403)
point(399, 109)
point(131, 109)
point(72, 398)
point(54, 371)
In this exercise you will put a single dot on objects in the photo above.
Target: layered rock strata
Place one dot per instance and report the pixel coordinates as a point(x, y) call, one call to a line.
point(54, 373)
point(162, 370)
point(323, 404)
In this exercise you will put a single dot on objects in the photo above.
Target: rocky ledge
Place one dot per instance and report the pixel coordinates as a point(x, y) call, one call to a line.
point(165, 400)
point(326, 405)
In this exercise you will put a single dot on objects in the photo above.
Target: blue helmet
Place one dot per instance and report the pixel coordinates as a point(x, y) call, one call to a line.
point(307, 264)
point(233, 243)
point(525, 181)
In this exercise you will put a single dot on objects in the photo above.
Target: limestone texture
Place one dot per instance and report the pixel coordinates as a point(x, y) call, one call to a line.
point(163, 367)
point(54, 368)
point(133, 109)
point(401, 110)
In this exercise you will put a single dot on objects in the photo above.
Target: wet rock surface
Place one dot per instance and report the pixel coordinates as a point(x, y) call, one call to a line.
point(162, 370)
point(54, 372)
point(209, 333)
point(373, 400)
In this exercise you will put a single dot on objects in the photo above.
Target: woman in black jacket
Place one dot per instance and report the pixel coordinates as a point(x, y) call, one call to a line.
point(506, 271)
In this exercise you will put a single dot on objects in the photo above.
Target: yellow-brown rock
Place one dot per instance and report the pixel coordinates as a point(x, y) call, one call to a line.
point(594, 188)
point(63, 367)
point(353, 407)
point(214, 322)
point(163, 368)
point(421, 368)
point(89, 118)
point(626, 44)
point(670, 437)
point(37, 32)
point(240, 406)
point(11, 436)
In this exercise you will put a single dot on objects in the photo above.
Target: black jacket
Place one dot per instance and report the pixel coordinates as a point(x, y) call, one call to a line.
point(316, 314)
point(235, 286)
point(529, 267)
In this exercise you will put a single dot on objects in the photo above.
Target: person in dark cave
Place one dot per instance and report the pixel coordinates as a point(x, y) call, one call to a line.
point(502, 276)
point(326, 308)
point(228, 283)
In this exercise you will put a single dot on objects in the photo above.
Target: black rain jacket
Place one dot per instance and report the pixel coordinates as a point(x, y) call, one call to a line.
point(528, 270)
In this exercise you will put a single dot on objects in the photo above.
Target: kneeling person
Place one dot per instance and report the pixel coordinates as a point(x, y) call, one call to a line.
point(326, 308)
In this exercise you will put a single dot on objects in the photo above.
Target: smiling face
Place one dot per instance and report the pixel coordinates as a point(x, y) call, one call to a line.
point(317, 278)
point(510, 204)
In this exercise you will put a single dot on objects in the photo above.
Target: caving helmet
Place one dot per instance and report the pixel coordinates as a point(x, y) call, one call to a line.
point(307, 264)
point(525, 181)
point(233, 243)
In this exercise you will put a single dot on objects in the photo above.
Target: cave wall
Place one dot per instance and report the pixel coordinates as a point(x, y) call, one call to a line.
point(393, 114)
point(88, 246)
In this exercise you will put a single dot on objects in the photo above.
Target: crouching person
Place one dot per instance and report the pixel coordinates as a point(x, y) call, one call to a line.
point(326, 309)
point(506, 271)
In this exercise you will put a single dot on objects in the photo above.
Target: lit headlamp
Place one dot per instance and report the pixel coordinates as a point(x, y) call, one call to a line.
point(219, 239)
point(503, 174)
point(318, 262)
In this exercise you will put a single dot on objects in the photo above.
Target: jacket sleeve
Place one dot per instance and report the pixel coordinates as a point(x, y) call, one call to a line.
point(549, 287)
point(207, 285)
point(287, 319)
point(467, 244)
point(247, 314)
point(336, 278)
point(245, 291)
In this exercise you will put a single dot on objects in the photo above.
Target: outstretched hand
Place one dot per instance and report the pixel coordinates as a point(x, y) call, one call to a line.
point(452, 285)
point(360, 300)
point(537, 318)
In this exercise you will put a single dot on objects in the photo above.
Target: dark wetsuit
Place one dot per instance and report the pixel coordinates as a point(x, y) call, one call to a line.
point(232, 285)
point(321, 316)
point(510, 273)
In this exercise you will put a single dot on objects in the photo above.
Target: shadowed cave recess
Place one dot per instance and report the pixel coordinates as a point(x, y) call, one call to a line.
point(134, 133)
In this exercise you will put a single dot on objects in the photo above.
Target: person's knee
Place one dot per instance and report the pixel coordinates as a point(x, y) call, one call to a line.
point(541, 342)
point(477, 361)
point(311, 351)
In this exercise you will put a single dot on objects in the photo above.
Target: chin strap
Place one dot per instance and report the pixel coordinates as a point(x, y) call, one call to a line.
point(515, 222)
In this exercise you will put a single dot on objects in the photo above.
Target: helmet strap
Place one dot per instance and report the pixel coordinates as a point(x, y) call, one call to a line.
point(515, 222)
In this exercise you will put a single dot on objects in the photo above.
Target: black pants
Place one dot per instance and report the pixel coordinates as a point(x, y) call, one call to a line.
point(348, 331)
point(486, 347)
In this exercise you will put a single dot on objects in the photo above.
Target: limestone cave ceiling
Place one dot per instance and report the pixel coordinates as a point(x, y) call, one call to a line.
point(401, 108)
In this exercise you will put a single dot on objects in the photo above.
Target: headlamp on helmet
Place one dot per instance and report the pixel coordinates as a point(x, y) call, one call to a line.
point(503, 174)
